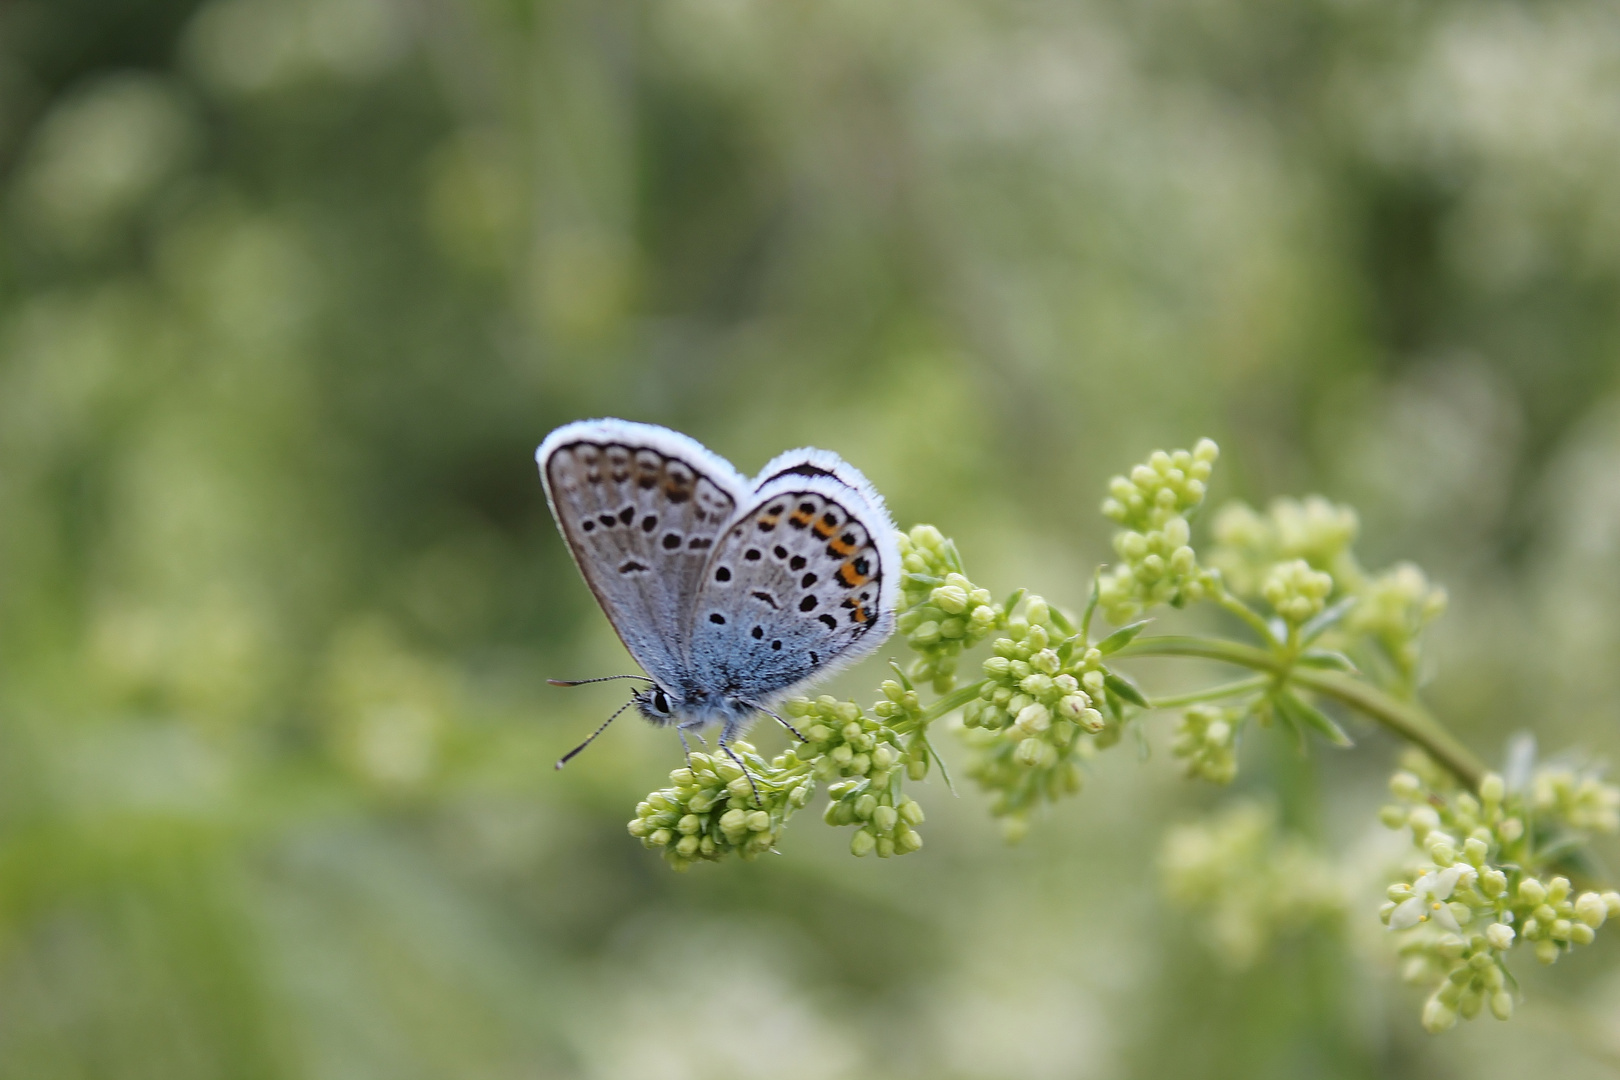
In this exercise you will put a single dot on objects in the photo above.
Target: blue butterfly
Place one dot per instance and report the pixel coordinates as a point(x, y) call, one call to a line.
point(730, 593)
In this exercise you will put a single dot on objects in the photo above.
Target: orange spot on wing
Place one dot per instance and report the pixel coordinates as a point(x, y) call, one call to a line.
point(849, 577)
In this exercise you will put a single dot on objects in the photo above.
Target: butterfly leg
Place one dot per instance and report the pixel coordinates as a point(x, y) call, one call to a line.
point(778, 719)
point(739, 763)
point(685, 747)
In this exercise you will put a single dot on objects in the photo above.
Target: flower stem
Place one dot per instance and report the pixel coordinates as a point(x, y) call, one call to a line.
point(1243, 611)
point(1409, 721)
point(952, 701)
point(1212, 693)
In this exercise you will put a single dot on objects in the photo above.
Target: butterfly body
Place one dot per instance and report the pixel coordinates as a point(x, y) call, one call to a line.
point(730, 593)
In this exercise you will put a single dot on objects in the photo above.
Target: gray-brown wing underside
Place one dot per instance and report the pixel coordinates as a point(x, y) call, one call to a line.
point(640, 513)
point(794, 590)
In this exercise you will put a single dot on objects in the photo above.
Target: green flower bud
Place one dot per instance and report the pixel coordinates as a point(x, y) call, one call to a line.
point(1547, 951)
point(884, 818)
point(1437, 1016)
point(862, 843)
point(1033, 719)
point(1591, 910)
point(1502, 1005)
point(907, 841)
point(1492, 883)
point(1532, 891)
point(1500, 936)
point(1492, 789)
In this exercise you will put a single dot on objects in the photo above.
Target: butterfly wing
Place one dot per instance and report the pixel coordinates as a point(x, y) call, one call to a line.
point(641, 508)
point(802, 582)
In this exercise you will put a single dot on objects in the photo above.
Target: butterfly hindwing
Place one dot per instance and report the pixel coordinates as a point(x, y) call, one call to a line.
point(801, 583)
point(641, 508)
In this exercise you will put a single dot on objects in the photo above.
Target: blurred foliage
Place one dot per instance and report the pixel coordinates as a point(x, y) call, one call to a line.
point(290, 289)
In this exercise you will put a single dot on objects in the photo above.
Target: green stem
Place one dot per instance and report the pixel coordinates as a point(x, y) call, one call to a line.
point(952, 701)
point(1243, 611)
point(1213, 693)
point(1411, 722)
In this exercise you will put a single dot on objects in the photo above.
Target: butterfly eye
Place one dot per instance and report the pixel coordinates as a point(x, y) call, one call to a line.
point(660, 702)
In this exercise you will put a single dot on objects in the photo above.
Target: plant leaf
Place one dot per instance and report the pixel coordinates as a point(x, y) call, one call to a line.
point(1328, 619)
point(1125, 688)
point(1301, 712)
point(1143, 750)
point(1327, 658)
point(1122, 637)
point(1091, 604)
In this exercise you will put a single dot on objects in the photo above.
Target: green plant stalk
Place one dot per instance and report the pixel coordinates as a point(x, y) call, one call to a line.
point(1213, 693)
point(1405, 719)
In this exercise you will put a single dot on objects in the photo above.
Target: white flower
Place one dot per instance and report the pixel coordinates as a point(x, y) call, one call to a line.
point(1427, 901)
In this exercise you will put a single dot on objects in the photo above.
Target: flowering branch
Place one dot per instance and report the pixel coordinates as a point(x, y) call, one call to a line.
point(1494, 856)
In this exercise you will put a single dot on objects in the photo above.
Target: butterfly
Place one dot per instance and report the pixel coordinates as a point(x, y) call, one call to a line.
point(730, 593)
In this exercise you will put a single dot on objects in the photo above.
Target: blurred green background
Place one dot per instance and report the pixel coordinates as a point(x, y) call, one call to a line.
point(291, 289)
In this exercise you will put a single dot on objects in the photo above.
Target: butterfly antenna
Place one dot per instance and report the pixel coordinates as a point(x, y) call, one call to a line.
point(566, 758)
point(778, 719)
point(604, 678)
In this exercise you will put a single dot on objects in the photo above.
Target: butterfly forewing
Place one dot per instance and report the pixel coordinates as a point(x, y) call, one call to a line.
point(641, 509)
point(795, 587)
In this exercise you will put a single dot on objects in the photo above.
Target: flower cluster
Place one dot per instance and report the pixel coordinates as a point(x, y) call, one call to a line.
point(1251, 883)
point(1153, 505)
point(1035, 717)
point(1393, 609)
point(1248, 543)
point(711, 809)
point(869, 759)
point(1295, 591)
point(941, 611)
point(1581, 799)
point(1489, 882)
point(1206, 739)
